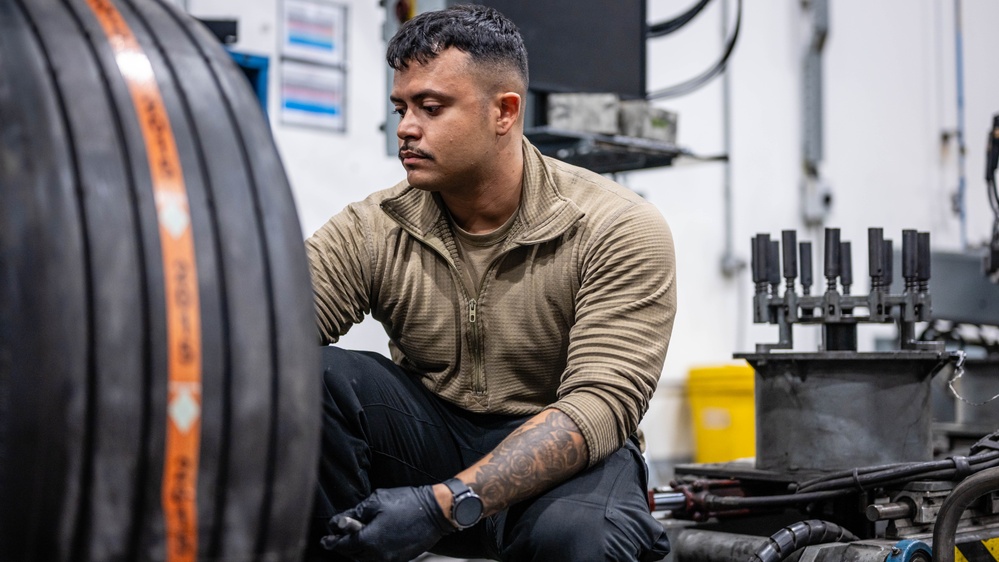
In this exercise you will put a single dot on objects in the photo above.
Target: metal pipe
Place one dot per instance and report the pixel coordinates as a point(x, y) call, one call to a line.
point(886, 511)
point(773, 266)
point(831, 258)
point(889, 265)
point(761, 258)
point(730, 264)
point(959, 75)
point(875, 256)
point(668, 501)
point(789, 247)
point(805, 250)
point(845, 267)
point(910, 258)
point(967, 491)
point(923, 260)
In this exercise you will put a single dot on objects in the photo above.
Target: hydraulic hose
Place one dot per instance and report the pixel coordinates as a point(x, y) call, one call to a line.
point(799, 535)
point(703, 78)
point(984, 455)
point(667, 27)
point(903, 472)
point(784, 500)
point(967, 491)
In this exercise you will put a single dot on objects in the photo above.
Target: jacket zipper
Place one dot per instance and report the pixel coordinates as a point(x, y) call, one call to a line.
point(478, 377)
point(478, 384)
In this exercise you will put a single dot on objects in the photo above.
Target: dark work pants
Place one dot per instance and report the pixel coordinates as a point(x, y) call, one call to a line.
point(383, 429)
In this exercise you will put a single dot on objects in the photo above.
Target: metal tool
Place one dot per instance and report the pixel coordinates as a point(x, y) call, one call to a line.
point(836, 309)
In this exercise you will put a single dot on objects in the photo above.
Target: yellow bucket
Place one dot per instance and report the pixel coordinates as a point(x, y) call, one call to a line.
point(723, 412)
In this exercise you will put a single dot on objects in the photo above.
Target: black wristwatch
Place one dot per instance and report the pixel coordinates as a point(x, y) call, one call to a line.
point(466, 506)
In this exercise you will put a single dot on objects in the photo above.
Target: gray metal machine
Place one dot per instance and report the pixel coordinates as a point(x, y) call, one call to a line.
point(845, 467)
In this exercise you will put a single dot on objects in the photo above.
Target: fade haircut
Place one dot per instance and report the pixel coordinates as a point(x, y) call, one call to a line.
point(489, 38)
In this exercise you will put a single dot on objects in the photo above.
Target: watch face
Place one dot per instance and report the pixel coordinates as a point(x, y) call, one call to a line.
point(467, 511)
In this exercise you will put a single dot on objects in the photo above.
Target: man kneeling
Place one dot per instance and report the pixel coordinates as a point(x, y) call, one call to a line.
point(528, 304)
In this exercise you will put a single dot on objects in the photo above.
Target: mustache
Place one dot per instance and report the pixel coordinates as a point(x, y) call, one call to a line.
point(413, 150)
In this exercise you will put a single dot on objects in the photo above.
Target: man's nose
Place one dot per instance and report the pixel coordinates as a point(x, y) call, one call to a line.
point(408, 128)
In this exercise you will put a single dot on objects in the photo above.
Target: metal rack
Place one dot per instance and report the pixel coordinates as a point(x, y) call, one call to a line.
point(607, 154)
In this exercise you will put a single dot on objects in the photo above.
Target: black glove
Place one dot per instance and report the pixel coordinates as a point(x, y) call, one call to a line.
point(399, 525)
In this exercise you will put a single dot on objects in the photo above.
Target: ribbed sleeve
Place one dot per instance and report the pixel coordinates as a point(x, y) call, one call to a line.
point(339, 258)
point(624, 316)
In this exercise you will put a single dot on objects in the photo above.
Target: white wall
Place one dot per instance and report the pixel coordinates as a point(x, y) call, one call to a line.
point(889, 93)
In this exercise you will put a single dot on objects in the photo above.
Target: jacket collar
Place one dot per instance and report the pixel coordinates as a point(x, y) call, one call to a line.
point(544, 212)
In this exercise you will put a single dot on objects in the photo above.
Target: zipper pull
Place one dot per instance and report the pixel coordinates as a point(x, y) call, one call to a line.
point(471, 311)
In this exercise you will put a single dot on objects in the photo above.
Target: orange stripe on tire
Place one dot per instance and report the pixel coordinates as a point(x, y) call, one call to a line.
point(183, 438)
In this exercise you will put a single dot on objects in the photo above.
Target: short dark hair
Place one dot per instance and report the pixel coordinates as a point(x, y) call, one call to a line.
point(482, 32)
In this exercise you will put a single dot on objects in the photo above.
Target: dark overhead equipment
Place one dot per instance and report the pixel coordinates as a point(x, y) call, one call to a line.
point(582, 45)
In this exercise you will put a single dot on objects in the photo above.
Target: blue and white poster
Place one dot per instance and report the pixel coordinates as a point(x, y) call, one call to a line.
point(315, 31)
point(313, 95)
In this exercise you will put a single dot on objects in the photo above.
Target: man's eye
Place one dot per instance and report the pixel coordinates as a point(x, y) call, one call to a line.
point(400, 111)
point(431, 109)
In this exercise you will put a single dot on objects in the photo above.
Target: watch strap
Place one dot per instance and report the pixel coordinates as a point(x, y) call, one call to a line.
point(457, 487)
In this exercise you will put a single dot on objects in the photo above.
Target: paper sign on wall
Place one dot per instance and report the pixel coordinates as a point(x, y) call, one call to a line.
point(315, 31)
point(313, 95)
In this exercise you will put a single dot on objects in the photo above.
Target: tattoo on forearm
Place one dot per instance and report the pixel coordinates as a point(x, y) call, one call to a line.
point(539, 454)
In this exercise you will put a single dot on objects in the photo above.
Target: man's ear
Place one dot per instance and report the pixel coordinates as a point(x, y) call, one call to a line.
point(511, 105)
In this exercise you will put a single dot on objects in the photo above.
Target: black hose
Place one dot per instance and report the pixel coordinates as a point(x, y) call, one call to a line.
point(724, 503)
point(667, 27)
point(942, 470)
point(901, 472)
point(967, 491)
point(991, 164)
point(984, 457)
point(712, 501)
point(783, 543)
point(703, 78)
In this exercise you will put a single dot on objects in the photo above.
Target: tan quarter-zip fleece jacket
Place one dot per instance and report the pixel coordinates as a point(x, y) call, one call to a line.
point(575, 314)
